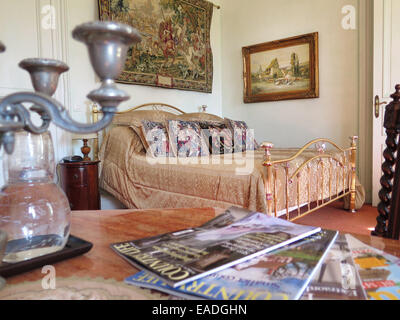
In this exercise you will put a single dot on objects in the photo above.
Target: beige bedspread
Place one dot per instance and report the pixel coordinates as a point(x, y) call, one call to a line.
point(139, 181)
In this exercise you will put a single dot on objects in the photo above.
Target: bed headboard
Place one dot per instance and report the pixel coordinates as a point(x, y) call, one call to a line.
point(158, 106)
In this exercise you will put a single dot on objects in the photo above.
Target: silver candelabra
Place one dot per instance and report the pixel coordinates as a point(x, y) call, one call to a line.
point(107, 44)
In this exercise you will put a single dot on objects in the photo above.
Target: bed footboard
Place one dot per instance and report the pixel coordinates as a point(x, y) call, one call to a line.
point(334, 178)
point(353, 161)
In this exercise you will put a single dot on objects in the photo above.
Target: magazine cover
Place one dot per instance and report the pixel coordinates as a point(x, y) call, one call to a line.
point(279, 275)
point(337, 277)
point(379, 271)
point(186, 255)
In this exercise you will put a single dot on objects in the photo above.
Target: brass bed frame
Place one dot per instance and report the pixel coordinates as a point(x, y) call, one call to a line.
point(348, 182)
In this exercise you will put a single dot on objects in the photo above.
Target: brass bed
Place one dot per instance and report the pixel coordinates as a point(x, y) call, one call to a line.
point(287, 183)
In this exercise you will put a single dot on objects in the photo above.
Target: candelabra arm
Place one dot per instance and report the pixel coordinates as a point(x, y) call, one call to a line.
point(12, 104)
point(25, 116)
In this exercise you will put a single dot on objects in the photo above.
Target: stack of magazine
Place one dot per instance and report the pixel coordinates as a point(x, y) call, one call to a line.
point(378, 270)
point(244, 255)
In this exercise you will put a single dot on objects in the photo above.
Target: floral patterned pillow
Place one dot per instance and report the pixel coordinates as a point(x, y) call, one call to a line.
point(243, 137)
point(218, 137)
point(186, 139)
point(155, 134)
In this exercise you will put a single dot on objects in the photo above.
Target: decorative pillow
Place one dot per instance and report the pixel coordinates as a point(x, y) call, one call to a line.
point(186, 139)
point(218, 137)
point(137, 144)
point(243, 137)
point(140, 133)
point(198, 116)
point(134, 120)
point(156, 136)
point(136, 117)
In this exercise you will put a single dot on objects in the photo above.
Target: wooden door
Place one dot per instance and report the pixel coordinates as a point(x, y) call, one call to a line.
point(386, 76)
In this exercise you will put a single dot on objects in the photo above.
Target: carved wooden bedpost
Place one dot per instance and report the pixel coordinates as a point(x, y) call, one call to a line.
point(267, 146)
point(353, 162)
point(389, 206)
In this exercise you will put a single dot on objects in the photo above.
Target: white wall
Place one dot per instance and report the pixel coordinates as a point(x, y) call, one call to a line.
point(293, 122)
point(343, 77)
point(23, 32)
point(12, 78)
point(285, 123)
point(238, 23)
point(83, 79)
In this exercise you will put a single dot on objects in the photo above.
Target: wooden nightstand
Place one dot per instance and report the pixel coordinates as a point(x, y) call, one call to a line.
point(79, 180)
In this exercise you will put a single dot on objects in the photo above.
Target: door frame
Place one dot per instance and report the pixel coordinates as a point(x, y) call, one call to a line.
point(365, 94)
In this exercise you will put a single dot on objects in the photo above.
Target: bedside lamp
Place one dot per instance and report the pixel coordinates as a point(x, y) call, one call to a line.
point(85, 148)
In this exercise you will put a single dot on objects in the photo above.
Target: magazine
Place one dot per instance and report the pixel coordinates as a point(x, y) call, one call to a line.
point(144, 279)
point(337, 277)
point(279, 275)
point(379, 271)
point(186, 255)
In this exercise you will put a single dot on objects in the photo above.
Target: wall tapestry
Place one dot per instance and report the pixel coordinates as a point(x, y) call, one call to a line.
point(282, 69)
point(175, 50)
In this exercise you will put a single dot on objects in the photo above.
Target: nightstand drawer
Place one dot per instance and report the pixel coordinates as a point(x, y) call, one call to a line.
point(76, 177)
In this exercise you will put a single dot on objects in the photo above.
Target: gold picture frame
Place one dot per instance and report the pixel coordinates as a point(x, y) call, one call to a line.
point(282, 69)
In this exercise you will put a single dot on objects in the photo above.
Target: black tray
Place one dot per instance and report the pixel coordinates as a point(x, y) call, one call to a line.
point(74, 247)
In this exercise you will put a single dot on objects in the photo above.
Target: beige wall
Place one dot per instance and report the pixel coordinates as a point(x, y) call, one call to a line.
point(238, 23)
point(30, 39)
point(22, 31)
point(83, 79)
point(343, 100)
point(293, 122)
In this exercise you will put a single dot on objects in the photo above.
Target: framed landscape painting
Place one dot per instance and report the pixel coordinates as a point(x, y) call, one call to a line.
point(281, 70)
point(175, 50)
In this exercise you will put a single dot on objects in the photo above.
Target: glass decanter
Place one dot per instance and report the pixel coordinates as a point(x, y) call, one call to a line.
point(34, 211)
